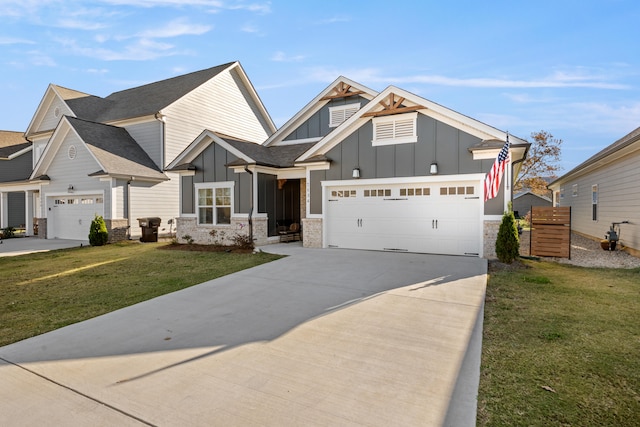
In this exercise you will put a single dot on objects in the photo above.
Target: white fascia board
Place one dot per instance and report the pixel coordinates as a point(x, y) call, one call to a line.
point(281, 173)
point(130, 121)
point(298, 141)
point(47, 99)
point(314, 105)
point(20, 153)
point(21, 186)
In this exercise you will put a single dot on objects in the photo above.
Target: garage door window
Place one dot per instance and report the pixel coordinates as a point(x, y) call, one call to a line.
point(214, 204)
point(343, 193)
point(378, 192)
point(453, 191)
point(415, 191)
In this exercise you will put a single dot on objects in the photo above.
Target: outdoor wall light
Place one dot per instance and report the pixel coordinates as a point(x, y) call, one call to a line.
point(433, 169)
point(70, 189)
point(356, 172)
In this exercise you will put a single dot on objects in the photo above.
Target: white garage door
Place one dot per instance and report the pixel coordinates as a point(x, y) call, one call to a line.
point(70, 217)
point(441, 218)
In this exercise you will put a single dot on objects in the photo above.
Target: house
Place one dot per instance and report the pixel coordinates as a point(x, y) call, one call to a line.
point(356, 169)
point(604, 189)
point(15, 167)
point(107, 156)
point(523, 202)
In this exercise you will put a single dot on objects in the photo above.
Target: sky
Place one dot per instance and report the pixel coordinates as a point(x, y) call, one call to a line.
point(570, 68)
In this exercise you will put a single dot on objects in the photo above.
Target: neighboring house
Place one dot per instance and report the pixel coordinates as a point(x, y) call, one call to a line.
point(605, 189)
point(358, 169)
point(15, 167)
point(523, 202)
point(107, 156)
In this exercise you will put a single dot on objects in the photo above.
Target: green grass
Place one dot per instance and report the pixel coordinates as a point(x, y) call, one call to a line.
point(575, 331)
point(45, 291)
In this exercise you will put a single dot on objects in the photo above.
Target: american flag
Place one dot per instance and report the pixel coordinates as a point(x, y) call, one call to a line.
point(492, 181)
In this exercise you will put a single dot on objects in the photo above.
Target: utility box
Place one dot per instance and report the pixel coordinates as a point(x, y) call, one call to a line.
point(149, 229)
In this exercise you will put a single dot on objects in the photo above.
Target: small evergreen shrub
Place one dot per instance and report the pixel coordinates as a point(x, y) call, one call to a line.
point(8, 232)
point(508, 242)
point(98, 234)
point(243, 241)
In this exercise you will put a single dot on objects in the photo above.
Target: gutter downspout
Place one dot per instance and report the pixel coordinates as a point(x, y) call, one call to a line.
point(129, 208)
point(246, 169)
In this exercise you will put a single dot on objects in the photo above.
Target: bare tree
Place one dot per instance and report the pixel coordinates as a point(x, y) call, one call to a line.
point(541, 162)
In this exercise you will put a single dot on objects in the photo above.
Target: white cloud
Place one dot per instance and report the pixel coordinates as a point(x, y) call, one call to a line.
point(40, 59)
point(140, 50)
point(249, 28)
point(177, 27)
point(13, 40)
point(280, 56)
point(334, 19)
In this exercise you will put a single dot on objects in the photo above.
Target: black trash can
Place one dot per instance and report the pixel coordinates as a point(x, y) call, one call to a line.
point(149, 229)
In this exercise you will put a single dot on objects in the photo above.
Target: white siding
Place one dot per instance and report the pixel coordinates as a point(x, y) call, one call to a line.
point(49, 120)
point(218, 105)
point(38, 148)
point(149, 136)
point(159, 200)
point(64, 172)
point(618, 200)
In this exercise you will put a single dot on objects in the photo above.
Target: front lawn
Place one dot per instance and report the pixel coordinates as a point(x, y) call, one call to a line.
point(561, 347)
point(45, 291)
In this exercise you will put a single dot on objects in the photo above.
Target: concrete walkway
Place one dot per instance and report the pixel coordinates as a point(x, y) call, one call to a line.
point(322, 337)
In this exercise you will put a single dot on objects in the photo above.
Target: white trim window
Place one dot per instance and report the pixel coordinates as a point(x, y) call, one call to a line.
point(594, 202)
point(214, 203)
point(340, 114)
point(574, 190)
point(396, 129)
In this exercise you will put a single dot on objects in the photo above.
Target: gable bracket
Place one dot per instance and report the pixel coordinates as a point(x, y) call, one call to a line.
point(393, 106)
point(342, 90)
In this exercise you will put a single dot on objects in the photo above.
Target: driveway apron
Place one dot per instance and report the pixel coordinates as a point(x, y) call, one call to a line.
point(321, 337)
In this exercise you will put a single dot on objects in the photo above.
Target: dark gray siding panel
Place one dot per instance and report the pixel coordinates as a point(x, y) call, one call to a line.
point(467, 164)
point(447, 149)
point(16, 169)
point(385, 161)
point(318, 124)
point(16, 217)
point(316, 191)
point(188, 201)
point(404, 163)
point(211, 167)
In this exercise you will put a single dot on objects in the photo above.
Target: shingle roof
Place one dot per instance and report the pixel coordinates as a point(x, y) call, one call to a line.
point(11, 143)
point(142, 100)
point(116, 150)
point(630, 138)
point(279, 156)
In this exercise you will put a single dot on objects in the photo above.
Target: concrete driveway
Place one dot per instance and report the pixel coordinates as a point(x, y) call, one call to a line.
point(28, 245)
point(321, 337)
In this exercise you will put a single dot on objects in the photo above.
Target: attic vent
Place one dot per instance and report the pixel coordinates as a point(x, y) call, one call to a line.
point(396, 129)
point(72, 152)
point(337, 115)
point(56, 112)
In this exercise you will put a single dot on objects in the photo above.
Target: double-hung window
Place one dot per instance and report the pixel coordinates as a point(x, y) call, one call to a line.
point(214, 203)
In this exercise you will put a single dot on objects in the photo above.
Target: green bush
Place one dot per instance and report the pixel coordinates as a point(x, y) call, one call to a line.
point(98, 234)
point(508, 242)
point(8, 232)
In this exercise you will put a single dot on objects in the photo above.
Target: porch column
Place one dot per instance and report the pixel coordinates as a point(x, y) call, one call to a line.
point(28, 213)
point(4, 209)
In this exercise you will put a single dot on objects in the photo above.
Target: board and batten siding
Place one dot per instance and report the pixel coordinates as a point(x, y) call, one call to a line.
point(149, 136)
point(211, 167)
point(618, 200)
point(219, 105)
point(437, 142)
point(64, 171)
point(318, 124)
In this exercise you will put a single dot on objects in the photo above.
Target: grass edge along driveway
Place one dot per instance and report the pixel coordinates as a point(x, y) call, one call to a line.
point(46, 291)
point(560, 347)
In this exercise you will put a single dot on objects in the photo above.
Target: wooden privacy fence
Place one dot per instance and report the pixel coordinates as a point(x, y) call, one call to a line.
point(550, 232)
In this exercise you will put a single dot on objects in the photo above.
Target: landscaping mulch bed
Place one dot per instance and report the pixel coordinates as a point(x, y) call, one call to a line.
point(194, 247)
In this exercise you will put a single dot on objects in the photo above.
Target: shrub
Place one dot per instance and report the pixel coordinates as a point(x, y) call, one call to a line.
point(8, 232)
point(508, 243)
point(242, 241)
point(98, 234)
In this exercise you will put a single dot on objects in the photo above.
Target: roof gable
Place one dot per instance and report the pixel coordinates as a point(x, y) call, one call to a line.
point(340, 88)
point(114, 150)
point(393, 101)
point(51, 109)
